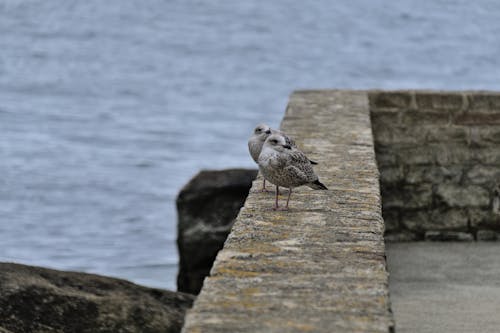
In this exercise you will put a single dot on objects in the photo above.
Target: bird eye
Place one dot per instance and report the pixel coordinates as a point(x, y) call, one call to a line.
point(274, 141)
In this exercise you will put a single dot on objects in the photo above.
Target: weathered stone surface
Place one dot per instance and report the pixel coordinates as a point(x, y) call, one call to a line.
point(484, 101)
point(445, 140)
point(417, 155)
point(320, 266)
point(207, 207)
point(455, 195)
point(481, 174)
point(485, 135)
point(487, 155)
point(391, 174)
point(451, 153)
point(432, 174)
point(401, 236)
point(385, 156)
point(390, 99)
point(410, 118)
point(34, 299)
point(438, 134)
point(435, 100)
point(415, 220)
point(391, 219)
point(454, 236)
point(417, 196)
point(477, 118)
point(447, 218)
point(486, 235)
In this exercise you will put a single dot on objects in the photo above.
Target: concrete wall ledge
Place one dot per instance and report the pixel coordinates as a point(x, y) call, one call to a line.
point(319, 267)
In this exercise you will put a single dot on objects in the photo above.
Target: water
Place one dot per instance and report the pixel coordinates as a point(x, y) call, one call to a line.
point(108, 107)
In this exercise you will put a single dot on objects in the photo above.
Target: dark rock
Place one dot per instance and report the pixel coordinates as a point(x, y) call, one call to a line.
point(34, 299)
point(207, 207)
point(448, 236)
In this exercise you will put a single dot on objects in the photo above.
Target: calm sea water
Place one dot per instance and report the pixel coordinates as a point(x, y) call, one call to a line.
point(108, 107)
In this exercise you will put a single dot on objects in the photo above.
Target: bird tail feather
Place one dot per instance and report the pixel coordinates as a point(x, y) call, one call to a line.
point(317, 185)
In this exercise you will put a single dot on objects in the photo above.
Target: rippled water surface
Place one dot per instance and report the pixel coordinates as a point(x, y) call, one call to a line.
point(108, 107)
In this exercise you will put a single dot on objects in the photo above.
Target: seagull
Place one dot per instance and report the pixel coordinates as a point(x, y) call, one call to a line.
point(259, 136)
point(286, 166)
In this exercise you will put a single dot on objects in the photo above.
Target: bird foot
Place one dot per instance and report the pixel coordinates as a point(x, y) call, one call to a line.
point(280, 208)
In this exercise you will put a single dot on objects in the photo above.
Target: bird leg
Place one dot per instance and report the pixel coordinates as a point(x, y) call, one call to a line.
point(288, 199)
point(264, 186)
point(276, 207)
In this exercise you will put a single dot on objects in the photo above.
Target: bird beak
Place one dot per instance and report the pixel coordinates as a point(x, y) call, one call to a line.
point(268, 132)
point(287, 146)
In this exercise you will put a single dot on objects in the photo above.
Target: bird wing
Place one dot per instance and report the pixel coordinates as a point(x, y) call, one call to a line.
point(296, 173)
point(299, 160)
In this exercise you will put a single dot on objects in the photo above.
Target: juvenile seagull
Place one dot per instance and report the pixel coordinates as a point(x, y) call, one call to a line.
point(286, 166)
point(259, 136)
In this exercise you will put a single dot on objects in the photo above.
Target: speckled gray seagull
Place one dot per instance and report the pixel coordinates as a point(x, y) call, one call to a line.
point(259, 136)
point(286, 166)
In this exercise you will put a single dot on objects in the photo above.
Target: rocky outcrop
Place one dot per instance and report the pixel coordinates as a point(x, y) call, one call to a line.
point(207, 207)
point(34, 299)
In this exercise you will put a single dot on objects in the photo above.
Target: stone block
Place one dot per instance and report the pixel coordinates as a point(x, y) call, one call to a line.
point(486, 235)
point(391, 219)
point(484, 101)
point(487, 155)
point(392, 196)
point(391, 174)
point(479, 217)
point(484, 135)
point(385, 117)
point(417, 155)
point(422, 118)
point(477, 118)
point(385, 156)
point(409, 135)
point(495, 203)
point(383, 135)
point(390, 99)
point(483, 174)
point(446, 134)
point(447, 219)
point(435, 174)
point(402, 236)
point(453, 236)
point(417, 196)
point(450, 154)
point(434, 219)
point(439, 100)
point(483, 218)
point(416, 221)
point(455, 195)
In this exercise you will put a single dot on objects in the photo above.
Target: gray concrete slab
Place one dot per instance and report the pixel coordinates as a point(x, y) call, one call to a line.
point(445, 287)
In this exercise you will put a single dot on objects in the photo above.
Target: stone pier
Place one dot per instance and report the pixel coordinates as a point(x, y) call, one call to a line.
point(319, 267)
